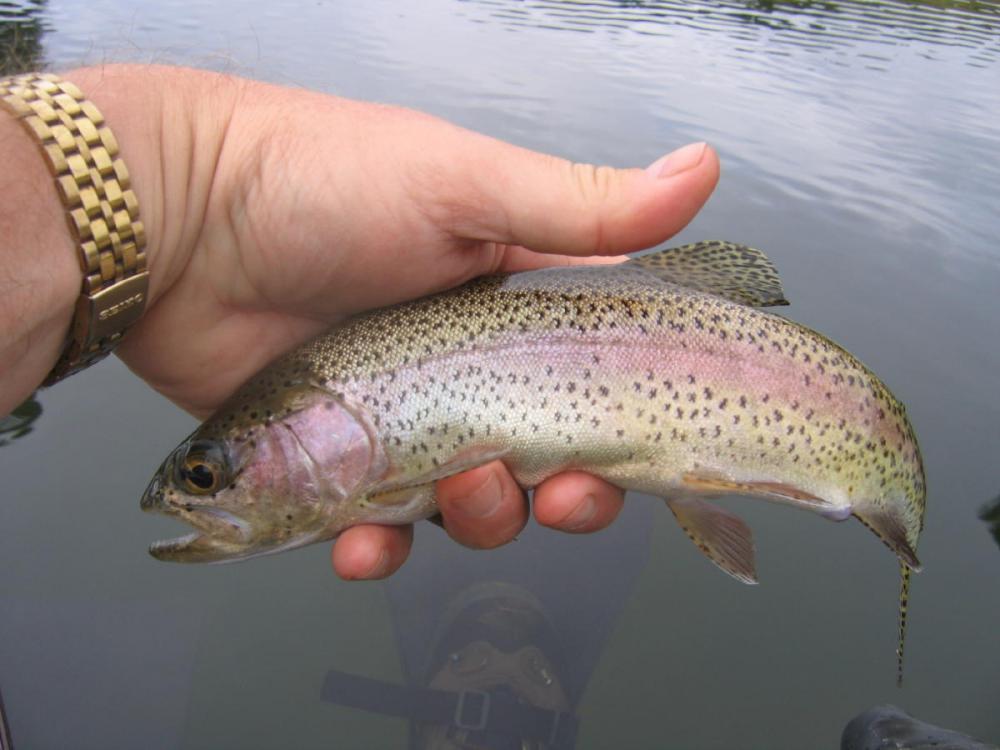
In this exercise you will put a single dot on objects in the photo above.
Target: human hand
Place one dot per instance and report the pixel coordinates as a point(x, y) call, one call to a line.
point(273, 213)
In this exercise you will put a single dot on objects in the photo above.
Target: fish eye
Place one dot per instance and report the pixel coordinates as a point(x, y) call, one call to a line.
point(203, 469)
point(200, 476)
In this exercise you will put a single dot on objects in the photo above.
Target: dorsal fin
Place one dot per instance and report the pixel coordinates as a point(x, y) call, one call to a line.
point(737, 272)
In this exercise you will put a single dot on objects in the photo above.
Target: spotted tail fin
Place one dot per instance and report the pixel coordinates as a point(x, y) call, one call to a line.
point(904, 600)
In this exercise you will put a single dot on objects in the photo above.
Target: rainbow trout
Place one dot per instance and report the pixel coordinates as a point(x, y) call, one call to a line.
point(660, 375)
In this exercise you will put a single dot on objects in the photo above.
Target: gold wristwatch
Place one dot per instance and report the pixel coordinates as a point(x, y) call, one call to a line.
point(102, 212)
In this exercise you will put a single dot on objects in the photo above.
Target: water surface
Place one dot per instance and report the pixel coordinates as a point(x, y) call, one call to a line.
point(859, 143)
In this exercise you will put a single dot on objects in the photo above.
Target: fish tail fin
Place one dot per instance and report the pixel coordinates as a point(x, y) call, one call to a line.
point(904, 600)
point(888, 527)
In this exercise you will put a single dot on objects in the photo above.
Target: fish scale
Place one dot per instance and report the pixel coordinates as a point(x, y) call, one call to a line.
point(661, 374)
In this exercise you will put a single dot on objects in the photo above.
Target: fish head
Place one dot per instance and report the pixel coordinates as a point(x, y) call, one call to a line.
point(262, 476)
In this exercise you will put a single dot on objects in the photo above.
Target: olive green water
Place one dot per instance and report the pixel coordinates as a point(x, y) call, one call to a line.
point(861, 149)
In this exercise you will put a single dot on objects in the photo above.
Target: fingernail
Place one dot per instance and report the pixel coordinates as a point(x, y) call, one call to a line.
point(582, 515)
point(381, 565)
point(681, 160)
point(484, 500)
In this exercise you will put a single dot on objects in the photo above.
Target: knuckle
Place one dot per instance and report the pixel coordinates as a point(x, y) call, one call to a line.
point(595, 184)
point(596, 189)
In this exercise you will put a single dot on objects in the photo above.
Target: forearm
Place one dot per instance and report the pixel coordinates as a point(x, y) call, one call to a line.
point(170, 130)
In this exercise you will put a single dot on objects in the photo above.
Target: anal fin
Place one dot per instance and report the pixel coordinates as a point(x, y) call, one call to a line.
point(724, 537)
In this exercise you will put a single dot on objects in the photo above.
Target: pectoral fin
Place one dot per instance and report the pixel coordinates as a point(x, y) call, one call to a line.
point(417, 496)
point(414, 496)
point(722, 536)
point(468, 459)
point(736, 272)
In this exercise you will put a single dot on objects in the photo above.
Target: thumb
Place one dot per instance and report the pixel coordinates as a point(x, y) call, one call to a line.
point(514, 196)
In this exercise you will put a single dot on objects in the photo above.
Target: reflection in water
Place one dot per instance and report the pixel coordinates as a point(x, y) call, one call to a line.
point(498, 653)
point(811, 25)
point(991, 514)
point(20, 422)
point(499, 644)
point(496, 679)
point(889, 726)
point(5, 742)
point(20, 35)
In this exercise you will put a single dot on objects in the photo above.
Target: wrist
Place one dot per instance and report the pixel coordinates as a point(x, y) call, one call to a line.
point(169, 146)
point(40, 277)
point(170, 123)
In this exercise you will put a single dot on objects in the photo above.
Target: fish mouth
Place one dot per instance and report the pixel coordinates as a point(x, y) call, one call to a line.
point(176, 549)
point(219, 535)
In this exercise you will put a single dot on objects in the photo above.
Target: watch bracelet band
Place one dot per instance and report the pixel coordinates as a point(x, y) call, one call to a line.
point(102, 212)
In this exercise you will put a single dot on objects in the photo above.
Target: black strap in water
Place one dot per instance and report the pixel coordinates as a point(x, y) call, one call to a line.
point(472, 710)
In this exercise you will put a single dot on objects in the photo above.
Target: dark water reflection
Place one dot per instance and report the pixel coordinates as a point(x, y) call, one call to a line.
point(20, 35)
point(860, 148)
point(498, 626)
point(990, 513)
point(5, 743)
point(19, 422)
point(870, 28)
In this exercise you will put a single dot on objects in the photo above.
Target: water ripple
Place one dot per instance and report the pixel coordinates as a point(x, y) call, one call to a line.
point(974, 26)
